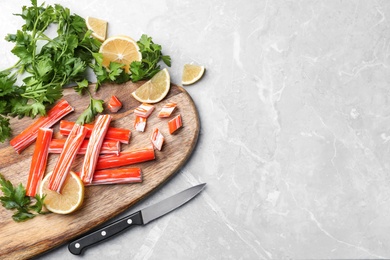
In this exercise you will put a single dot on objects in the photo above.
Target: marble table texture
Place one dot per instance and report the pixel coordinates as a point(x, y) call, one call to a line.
point(295, 127)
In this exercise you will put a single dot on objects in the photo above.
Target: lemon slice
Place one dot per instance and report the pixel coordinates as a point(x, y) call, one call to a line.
point(98, 27)
point(71, 197)
point(192, 73)
point(155, 89)
point(121, 49)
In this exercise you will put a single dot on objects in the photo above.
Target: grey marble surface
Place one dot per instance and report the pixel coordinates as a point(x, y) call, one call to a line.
point(295, 127)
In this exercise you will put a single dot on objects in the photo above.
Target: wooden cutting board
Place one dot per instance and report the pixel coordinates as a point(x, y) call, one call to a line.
point(101, 203)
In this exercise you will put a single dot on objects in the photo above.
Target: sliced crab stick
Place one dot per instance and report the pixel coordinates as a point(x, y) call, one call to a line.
point(140, 123)
point(39, 161)
point(157, 139)
point(108, 146)
point(67, 156)
point(93, 150)
point(175, 124)
point(119, 134)
point(28, 135)
point(144, 110)
point(114, 104)
point(116, 176)
point(167, 109)
point(125, 158)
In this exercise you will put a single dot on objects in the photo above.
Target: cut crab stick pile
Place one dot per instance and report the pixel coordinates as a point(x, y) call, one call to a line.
point(93, 150)
point(143, 111)
point(39, 160)
point(119, 134)
point(99, 143)
point(28, 136)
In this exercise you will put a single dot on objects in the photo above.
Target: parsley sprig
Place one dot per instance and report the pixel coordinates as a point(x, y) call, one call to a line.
point(15, 199)
point(139, 70)
point(47, 64)
point(151, 56)
point(114, 73)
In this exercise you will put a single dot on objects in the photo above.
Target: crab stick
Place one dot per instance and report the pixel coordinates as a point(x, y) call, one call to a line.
point(39, 161)
point(67, 156)
point(167, 109)
point(93, 150)
point(144, 110)
point(175, 124)
point(108, 146)
point(28, 135)
point(140, 123)
point(116, 176)
point(114, 104)
point(119, 134)
point(125, 158)
point(157, 139)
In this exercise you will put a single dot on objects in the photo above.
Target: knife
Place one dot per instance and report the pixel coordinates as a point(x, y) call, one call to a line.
point(142, 217)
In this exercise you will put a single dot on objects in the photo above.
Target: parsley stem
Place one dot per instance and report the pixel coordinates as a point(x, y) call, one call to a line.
point(44, 37)
point(33, 43)
point(12, 67)
point(85, 47)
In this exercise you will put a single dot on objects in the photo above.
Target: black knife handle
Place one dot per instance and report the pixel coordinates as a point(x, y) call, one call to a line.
point(77, 246)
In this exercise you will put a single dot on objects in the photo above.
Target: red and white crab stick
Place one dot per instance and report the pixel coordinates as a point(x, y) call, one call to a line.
point(93, 150)
point(28, 135)
point(125, 158)
point(108, 146)
point(114, 104)
point(174, 124)
point(67, 156)
point(144, 110)
point(117, 176)
point(119, 134)
point(39, 161)
point(167, 109)
point(157, 139)
point(140, 123)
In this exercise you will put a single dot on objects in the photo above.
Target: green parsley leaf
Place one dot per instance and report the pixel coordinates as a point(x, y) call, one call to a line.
point(95, 107)
point(15, 199)
point(115, 69)
point(81, 86)
point(166, 59)
point(22, 215)
point(43, 67)
point(98, 58)
point(37, 207)
point(151, 56)
point(6, 186)
point(5, 129)
point(7, 85)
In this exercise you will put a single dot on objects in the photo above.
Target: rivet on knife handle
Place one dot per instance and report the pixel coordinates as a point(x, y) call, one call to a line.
point(77, 246)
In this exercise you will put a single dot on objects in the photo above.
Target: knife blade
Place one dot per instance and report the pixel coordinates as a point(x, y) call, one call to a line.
point(141, 217)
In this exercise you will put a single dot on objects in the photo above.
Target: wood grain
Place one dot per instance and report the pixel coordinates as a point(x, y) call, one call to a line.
point(33, 237)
